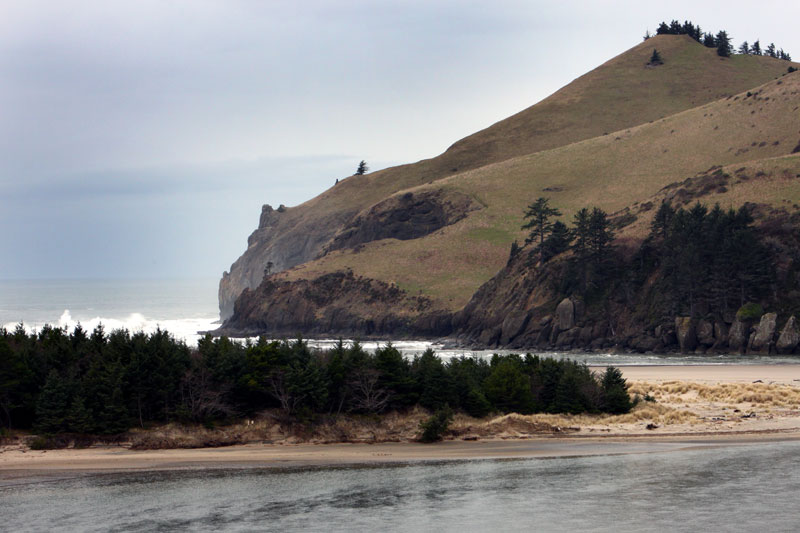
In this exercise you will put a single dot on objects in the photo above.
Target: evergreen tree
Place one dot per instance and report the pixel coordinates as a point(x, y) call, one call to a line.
point(79, 419)
point(655, 59)
point(709, 41)
point(51, 408)
point(756, 48)
point(508, 387)
point(600, 236)
point(616, 399)
point(745, 49)
point(724, 46)
point(557, 242)
point(362, 168)
point(540, 224)
point(433, 382)
point(581, 245)
point(395, 377)
point(12, 373)
point(771, 50)
point(662, 220)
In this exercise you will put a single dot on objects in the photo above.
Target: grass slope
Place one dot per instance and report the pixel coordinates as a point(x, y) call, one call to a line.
point(612, 171)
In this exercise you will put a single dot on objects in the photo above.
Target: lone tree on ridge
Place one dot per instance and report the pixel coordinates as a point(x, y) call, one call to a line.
point(362, 168)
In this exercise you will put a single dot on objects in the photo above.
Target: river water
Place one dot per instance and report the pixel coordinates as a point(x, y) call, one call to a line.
point(744, 487)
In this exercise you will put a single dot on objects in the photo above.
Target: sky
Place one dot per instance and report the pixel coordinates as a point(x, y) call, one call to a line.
point(140, 139)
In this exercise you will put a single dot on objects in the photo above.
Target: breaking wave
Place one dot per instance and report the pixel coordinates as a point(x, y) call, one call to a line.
point(185, 329)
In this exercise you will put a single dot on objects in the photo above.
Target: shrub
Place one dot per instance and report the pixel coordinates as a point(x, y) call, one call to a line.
point(750, 311)
point(48, 442)
point(436, 426)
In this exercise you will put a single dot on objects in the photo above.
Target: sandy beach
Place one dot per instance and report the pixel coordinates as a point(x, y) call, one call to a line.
point(708, 405)
point(787, 374)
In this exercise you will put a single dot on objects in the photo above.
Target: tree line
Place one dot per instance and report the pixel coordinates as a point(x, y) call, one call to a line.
point(55, 382)
point(706, 258)
point(698, 259)
point(721, 40)
point(590, 239)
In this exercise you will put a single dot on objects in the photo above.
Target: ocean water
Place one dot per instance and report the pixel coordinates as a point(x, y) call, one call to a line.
point(183, 307)
point(754, 487)
point(186, 307)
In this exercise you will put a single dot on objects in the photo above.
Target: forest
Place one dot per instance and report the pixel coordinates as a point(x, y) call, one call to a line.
point(695, 261)
point(54, 382)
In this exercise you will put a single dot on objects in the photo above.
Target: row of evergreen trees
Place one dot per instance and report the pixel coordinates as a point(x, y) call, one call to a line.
point(55, 382)
point(721, 41)
point(590, 239)
point(697, 259)
point(706, 259)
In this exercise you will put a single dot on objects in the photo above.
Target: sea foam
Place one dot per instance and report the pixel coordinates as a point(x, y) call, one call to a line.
point(185, 329)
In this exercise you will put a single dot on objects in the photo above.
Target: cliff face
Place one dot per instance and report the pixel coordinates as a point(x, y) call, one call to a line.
point(281, 239)
point(338, 303)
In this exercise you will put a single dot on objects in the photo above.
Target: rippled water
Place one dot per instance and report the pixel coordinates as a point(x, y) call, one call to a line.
point(733, 488)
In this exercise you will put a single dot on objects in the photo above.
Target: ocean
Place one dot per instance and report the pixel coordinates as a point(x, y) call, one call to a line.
point(183, 307)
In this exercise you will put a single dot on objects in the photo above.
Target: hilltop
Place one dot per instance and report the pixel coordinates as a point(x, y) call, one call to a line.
point(400, 250)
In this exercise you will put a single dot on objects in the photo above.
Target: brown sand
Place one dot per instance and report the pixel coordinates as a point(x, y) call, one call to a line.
point(705, 405)
point(789, 374)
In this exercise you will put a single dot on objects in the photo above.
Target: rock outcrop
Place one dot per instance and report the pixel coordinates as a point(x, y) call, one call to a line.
point(280, 239)
point(338, 303)
point(705, 333)
point(789, 337)
point(762, 339)
point(686, 332)
point(739, 335)
point(405, 216)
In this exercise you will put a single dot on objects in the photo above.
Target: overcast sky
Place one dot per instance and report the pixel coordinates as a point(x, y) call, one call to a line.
point(139, 139)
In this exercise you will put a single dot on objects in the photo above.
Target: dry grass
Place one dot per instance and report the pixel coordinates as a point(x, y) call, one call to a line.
point(761, 395)
point(679, 406)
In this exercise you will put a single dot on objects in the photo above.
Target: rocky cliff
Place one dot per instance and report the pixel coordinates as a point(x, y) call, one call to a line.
point(338, 303)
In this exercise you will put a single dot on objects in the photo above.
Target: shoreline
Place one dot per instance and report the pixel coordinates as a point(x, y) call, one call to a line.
point(696, 405)
point(16, 467)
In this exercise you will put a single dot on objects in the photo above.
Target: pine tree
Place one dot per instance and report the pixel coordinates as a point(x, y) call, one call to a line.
point(362, 168)
point(756, 48)
point(616, 399)
point(724, 46)
point(581, 245)
point(655, 59)
point(79, 419)
point(745, 49)
point(771, 50)
point(51, 407)
point(600, 236)
point(540, 225)
point(709, 41)
point(662, 220)
point(557, 242)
